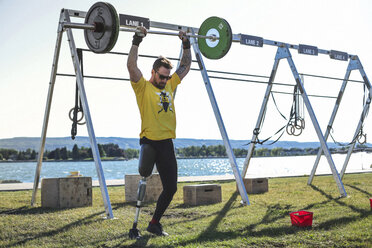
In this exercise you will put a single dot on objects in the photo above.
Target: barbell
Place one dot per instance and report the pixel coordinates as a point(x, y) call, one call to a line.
point(102, 26)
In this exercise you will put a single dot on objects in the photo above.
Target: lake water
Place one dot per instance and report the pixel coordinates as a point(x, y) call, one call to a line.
point(259, 167)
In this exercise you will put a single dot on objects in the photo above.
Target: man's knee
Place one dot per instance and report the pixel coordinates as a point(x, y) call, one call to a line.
point(146, 160)
point(171, 190)
point(174, 190)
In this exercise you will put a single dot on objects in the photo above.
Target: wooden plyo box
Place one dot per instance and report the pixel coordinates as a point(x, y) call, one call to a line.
point(66, 192)
point(255, 185)
point(153, 187)
point(202, 194)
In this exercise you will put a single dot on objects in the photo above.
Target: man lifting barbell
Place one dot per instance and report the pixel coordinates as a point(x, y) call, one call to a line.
point(158, 124)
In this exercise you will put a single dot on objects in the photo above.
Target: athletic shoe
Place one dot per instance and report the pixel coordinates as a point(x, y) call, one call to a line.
point(156, 229)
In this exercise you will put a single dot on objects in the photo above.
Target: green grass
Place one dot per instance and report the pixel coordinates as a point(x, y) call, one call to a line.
point(338, 222)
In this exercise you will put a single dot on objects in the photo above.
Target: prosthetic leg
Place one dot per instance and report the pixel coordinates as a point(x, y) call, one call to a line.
point(145, 167)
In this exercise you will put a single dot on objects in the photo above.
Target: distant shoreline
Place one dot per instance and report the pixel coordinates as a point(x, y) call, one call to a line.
point(123, 159)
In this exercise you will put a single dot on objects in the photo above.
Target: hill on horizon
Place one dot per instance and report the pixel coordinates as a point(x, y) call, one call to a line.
point(24, 143)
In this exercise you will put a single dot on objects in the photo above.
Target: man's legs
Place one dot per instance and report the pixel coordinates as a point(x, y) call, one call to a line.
point(166, 164)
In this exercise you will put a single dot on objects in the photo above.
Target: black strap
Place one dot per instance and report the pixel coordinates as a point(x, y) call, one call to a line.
point(74, 118)
point(257, 141)
point(272, 95)
point(256, 131)
point(77, 108)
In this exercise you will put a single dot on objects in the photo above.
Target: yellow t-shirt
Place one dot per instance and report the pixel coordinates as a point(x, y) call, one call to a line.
point(156, 107)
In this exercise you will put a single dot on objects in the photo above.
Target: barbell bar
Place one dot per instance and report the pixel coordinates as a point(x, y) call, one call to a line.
point(211, 37)
point(101, 29)
point(94, 28)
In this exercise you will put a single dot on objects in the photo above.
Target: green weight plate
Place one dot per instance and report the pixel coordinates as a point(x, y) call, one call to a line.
point(218, 48)
point(104, 17)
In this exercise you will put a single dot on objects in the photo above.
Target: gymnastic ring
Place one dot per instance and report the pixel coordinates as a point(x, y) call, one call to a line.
point(286, 129)
point(360, 136)
point(78, 120)
point(297, 128)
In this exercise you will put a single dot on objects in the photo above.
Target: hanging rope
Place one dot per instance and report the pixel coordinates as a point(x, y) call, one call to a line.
point(256, 131)
point(295, 124)
point(73, 113)
point(296, 121)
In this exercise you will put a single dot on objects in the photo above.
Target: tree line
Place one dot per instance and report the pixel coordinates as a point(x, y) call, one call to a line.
point(113, 151)
point(77, 153)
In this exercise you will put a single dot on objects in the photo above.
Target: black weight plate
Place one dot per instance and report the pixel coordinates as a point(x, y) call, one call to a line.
point(104, 16)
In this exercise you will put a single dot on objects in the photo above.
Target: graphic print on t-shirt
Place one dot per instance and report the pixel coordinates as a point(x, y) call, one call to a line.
point(165, 101)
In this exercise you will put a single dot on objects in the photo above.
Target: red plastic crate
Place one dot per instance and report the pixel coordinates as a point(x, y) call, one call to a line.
point(302, 218)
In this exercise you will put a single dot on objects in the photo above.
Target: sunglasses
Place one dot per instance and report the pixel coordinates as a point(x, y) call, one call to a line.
point(163, 77)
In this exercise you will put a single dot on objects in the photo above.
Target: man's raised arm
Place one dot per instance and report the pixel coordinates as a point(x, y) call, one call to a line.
point(185, 63)
point(134, 72)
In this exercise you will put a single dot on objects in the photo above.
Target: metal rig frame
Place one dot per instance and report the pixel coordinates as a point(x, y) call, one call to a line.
point(284, 53)
point(65, 19)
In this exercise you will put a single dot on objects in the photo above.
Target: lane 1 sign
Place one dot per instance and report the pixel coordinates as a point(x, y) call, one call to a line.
point(134, 21)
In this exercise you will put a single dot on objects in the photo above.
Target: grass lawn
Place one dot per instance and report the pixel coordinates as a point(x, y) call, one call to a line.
point(338, 222)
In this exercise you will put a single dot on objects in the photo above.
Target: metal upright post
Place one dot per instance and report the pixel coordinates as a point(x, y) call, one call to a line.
point(363, 115)
point(48, 107)
point(92, 137)
point(261, 115)
point(310, 110)
point(229, 150)
point(351, 66)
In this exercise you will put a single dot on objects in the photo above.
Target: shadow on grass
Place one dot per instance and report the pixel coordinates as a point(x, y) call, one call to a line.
point(25, 210)
point(142, 242)
point(29, 210)
point(359, 189)
point(273, 214)
point(85, 221)
point(130, 204)
point(337, 200)
point(210, 233)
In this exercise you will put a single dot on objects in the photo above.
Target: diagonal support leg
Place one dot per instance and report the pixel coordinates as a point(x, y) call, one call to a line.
point(363, 115)
point(332, 119)
point(92, 137)
point(47, 110)
point(314, 120)
point(229, 150)
point(260, 117)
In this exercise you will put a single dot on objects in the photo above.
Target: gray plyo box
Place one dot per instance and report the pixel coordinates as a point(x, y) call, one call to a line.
point(66, 192)
point(153, 187)
point(202, 194)
point(256, 185)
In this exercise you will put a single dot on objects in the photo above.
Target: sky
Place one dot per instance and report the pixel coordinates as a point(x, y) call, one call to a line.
point(28, 35)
